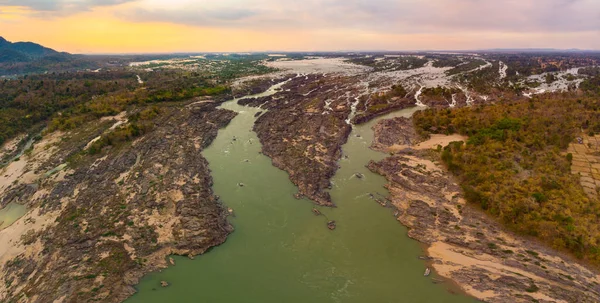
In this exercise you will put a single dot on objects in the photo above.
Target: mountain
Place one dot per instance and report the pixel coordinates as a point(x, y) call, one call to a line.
point(24, 51)
point(20, 58)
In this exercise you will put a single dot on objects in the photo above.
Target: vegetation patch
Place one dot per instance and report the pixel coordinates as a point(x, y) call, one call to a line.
point(514, 168)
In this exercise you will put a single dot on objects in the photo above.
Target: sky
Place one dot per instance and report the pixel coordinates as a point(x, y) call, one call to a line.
point(161, 26)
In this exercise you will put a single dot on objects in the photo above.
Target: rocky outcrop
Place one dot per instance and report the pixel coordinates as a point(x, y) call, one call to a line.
point(376, 111)
point(304, 147)
point(303, 131)
point(466, 245)
point(395, 131)
point(112, 218)
point(255, 86)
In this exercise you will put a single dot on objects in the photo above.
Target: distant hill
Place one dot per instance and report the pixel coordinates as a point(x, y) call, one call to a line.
point(24, 51)
point(21, 58)
point(537, 50)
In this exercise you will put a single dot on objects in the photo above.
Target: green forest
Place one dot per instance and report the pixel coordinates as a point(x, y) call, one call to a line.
point(67, 100)
point(513, 166)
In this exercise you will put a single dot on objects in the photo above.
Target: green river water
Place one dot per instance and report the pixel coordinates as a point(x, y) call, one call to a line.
point(281, 252)
point(11, 213)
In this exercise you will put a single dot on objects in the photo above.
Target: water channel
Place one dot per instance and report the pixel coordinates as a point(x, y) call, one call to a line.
point(281, 252)
point(11, 213)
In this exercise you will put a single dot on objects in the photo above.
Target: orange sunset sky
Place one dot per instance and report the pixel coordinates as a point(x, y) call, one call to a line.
point(150, 26)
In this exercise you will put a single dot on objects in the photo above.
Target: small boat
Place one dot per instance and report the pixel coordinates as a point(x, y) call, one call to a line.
point(331, 225)
point(359, 175)
point(381, 202)
point(241, 184)
point(316, 212)
point(427, 272)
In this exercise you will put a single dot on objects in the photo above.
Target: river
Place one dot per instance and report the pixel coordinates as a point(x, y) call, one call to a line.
point(281, 252)
point(11, 213)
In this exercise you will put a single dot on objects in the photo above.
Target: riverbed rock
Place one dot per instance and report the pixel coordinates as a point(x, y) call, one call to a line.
point(372, 112)
point(396, 131)
point(119, 214)
point(256, 86)
point(303, 135)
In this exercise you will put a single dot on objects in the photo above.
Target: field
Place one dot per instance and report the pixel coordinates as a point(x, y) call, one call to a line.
point(586, 162)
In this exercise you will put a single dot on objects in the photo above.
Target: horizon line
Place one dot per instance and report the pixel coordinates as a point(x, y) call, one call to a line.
point(532, 49)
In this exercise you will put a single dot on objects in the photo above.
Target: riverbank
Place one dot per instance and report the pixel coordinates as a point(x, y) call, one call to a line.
point(97, 225)
point(465, 245)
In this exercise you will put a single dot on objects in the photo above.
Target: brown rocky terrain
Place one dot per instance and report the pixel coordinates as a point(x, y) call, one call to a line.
point(373, 111)
point(97, 225)
point(396, 131)
point(255, 86)
point(465, 245)
point(308, 120)
point(304, 128)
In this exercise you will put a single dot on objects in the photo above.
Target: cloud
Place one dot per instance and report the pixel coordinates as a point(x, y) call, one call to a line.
point(60, 7)
point(193, 17)
point(389, 16)
point(512, 15)
point(402, 16)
